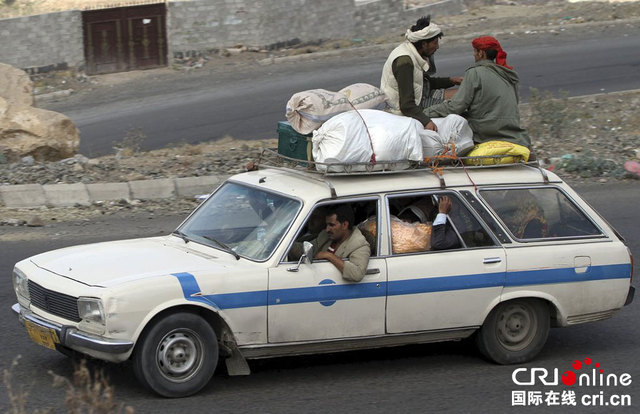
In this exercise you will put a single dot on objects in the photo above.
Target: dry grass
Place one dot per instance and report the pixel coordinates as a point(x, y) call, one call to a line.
point(86, 392)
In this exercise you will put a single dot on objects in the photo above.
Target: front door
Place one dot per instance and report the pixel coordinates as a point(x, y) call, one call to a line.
point(316, 303)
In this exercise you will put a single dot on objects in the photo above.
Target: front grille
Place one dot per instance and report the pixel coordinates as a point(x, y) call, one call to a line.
point(56, 303)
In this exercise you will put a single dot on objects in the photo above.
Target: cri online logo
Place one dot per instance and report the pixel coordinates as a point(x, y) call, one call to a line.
point(588, 374)
point(569, 377)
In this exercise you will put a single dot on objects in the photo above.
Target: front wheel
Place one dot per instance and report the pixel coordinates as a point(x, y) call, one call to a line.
point(177, 356)
point(515, 331)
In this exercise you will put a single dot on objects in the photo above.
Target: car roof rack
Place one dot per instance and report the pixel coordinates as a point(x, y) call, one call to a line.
point(319, 171)
point(270, 158)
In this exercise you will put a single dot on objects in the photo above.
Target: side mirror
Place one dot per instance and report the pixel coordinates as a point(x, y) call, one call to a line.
point(307, 256)
point(308, 252)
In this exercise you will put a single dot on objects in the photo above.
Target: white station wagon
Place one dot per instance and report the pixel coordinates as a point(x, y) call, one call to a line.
point(225, 285)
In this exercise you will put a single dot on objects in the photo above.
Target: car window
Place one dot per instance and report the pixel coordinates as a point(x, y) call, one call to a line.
point(412, 218)
point(539, 213)
point(365, 213)
point(248, 220)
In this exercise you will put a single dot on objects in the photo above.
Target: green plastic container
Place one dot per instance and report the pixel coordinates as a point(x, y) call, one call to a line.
point(292, 144)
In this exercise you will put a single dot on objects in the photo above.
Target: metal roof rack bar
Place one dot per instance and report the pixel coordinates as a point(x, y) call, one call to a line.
point(305, 175)
point(272, 159)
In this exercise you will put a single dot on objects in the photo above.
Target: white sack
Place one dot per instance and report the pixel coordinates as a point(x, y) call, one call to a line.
point(307, 110)
point(452, 128)
point(343, 139)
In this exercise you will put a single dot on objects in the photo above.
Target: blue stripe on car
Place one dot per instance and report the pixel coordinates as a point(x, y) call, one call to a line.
point(568, 275)
point(332, 292)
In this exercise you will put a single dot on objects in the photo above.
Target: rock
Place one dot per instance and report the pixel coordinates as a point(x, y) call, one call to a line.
point(44, 135)
point(12, 222)
point(29, 131)
point(35, 221)
point(15, 86)
point(28, 160)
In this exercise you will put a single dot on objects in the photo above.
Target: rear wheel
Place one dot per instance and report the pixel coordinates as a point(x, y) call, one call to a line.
point(515, 331)
point(177, 356)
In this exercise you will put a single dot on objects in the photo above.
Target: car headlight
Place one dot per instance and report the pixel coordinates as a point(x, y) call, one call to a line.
point(20, 284)
point(91, 310)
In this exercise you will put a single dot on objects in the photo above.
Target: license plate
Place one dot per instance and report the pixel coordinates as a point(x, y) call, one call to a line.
point(41, 335)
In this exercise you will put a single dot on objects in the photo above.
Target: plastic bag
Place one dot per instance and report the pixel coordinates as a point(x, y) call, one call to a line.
point(451, 129)
point(491, 148)
point(405, 237)
point(410, 237)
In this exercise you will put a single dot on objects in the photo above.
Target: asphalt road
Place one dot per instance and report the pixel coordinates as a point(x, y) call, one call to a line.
point(247, 103)
point(447, 377)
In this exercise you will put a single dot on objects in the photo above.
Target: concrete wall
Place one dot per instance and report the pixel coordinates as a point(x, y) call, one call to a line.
point(199, 25)
point(204, 24)
point(42, 42)
point(380, 17)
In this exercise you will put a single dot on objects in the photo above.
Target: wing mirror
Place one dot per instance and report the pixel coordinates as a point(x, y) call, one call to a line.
point(307, 256)
point(308, 252)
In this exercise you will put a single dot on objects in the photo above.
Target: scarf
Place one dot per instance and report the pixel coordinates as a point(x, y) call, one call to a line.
point(428, 32)
point(491, 43)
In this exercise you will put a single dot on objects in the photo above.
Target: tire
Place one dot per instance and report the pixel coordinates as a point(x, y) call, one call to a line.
point(515, 331)
point(177, 356)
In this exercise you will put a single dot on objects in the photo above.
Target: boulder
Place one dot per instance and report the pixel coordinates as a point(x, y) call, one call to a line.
point(29, 131)
point(16, 86)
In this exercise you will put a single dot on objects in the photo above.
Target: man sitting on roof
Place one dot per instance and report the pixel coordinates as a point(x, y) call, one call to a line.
point(488, 96)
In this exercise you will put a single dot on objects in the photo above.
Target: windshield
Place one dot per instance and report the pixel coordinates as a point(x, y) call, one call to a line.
point(247, 220)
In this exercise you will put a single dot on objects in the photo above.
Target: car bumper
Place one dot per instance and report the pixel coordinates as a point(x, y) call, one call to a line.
point(632, 292)
point(70, 337)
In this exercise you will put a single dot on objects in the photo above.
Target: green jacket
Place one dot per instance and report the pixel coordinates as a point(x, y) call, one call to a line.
point(489, 95)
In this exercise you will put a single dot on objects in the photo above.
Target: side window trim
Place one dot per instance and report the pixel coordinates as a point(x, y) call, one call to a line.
point(486, 217)
point(327, 202)
point(450, 192)
point(567, 196)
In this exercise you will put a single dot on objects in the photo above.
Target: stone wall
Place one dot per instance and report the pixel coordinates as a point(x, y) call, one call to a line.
point(42, 42)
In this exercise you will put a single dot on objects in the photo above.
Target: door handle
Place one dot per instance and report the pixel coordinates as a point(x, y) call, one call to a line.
point(489, 260)
point(372, 271)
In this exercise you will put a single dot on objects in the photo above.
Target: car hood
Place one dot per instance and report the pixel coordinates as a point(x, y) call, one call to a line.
point(111, 263)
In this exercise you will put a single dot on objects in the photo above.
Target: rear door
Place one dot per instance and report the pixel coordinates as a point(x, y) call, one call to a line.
point(432, 290)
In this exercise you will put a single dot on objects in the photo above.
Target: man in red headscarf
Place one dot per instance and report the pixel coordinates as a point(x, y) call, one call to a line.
point(488, 96)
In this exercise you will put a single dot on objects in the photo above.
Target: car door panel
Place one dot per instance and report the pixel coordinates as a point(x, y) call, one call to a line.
point(316, 303)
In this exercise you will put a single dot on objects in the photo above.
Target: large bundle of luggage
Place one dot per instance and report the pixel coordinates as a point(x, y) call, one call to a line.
point(350, 129)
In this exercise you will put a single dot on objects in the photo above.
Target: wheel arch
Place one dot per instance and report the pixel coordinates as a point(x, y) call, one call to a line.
point(555, 310)
point(213, 318)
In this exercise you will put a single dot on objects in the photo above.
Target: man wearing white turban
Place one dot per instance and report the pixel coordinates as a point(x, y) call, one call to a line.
point(407, 74)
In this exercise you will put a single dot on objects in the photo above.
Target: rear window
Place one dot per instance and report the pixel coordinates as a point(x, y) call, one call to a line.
point(539, 213)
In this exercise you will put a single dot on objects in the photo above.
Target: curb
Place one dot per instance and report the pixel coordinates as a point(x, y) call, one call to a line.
point(68, 195)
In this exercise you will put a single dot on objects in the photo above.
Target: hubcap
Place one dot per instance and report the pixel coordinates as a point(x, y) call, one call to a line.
point(179, 355)
point(517, 326)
